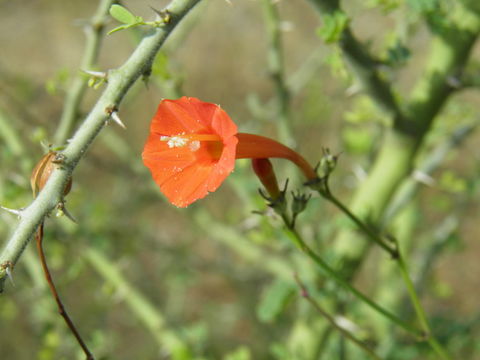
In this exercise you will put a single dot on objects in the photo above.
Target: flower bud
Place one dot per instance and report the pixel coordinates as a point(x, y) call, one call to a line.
point(299, 203)
point(264, 170)
point(327, 163)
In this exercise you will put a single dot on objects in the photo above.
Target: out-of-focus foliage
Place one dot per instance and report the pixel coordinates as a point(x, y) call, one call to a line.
point(216, 281)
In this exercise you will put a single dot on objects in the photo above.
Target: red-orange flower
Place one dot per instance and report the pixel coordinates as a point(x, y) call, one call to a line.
point(190, 149)
point(193, 145)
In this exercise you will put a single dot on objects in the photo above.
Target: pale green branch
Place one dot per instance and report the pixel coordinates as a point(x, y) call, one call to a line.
point(93, 31)
point(447, 56)
point(432, 161)
point(119, 82)
point(364, 65)
point(276, 69)
point(150, 317)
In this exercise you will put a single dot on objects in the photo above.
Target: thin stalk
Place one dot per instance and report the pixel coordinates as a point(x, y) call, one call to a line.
point(53, 289)
point(333, 274)
point(74, 96)
point(396, 255)
point(361, 225)
point(347, 334)
point(420, 312)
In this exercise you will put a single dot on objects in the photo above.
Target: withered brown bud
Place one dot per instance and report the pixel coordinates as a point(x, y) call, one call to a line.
point(42, 172)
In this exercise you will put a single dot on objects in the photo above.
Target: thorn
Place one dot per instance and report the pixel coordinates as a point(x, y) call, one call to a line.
point(13, 211)
point(353, 90)
point(163, 14)
point(423, 178)
point(112, 111)
point(116, 118)
point(62, 210)
point(97, 74)
point(8, 266)
point(8, 271)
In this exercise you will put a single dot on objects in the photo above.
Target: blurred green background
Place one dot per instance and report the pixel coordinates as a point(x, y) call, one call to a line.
point(143, 279)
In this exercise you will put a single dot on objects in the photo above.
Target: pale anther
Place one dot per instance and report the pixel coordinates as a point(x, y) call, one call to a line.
point(174, 141)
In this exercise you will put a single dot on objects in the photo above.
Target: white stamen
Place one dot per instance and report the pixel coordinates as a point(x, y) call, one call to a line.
point(180, 141)
point(174, 141)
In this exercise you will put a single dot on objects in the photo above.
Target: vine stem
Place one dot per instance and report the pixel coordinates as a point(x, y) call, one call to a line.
point(332, 321)
point(120, 81)
point(366, 229)
point(420, 312)
point(333, 274)
point(398, 257)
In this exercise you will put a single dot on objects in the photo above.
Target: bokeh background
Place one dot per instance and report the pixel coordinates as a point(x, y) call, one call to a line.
point(142, 278)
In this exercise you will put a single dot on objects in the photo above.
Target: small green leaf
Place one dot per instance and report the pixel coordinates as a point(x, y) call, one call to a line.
point(333, 26)
point(121, 14)
point(122, 27)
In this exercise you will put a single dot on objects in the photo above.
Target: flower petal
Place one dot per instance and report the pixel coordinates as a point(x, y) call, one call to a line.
point(225, 164)
point(188, 186)
point(222, 124)
point(185, 115)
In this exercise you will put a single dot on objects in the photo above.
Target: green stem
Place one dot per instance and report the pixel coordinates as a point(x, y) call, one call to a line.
point(119, 83)
point(420, 312)
point(396, 255)
point(361, 225)
point(298, 240)
point(74, 96)
point(347, 334)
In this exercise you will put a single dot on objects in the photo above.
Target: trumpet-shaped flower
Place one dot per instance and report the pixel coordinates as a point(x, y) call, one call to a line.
point(192, 147)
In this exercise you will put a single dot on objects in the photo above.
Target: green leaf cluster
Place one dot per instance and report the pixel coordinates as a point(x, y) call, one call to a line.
point(129, 20)
point(333, 26)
